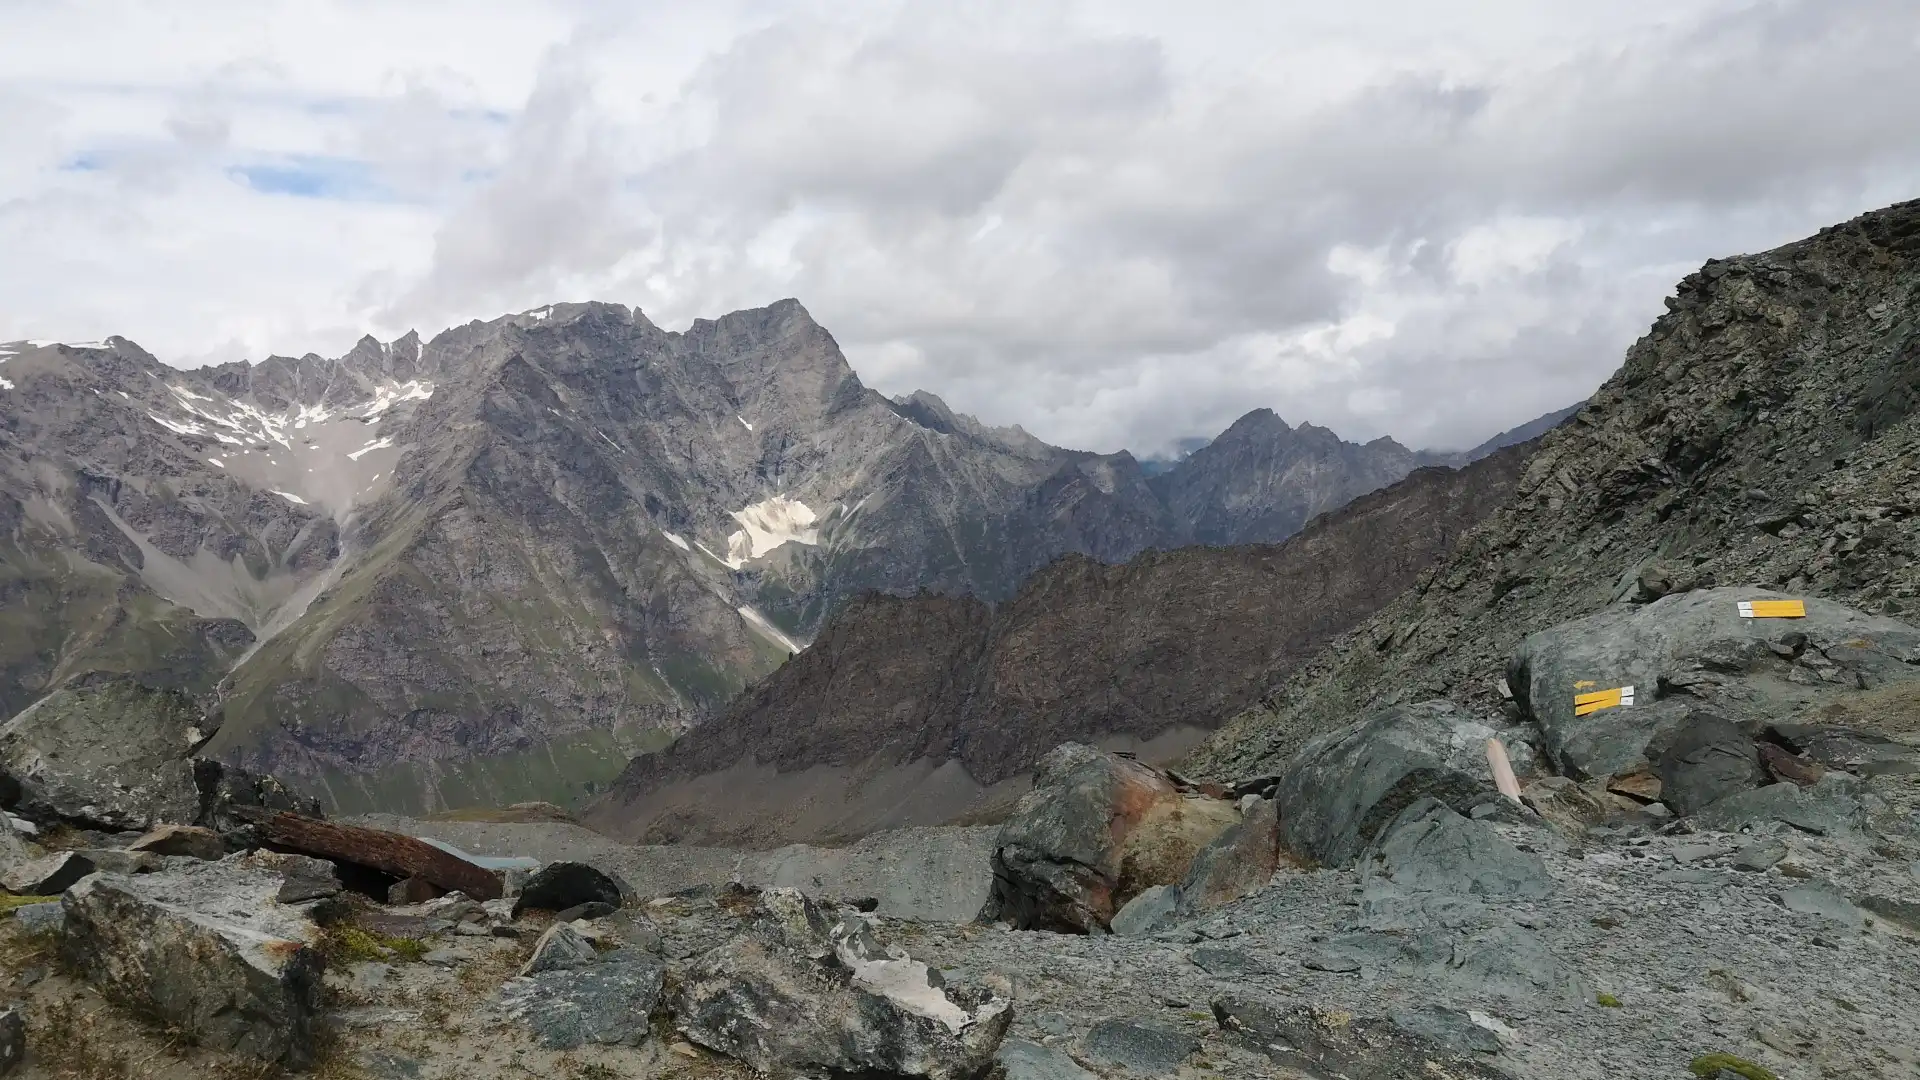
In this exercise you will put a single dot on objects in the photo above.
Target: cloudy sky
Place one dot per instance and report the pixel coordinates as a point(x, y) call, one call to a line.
point(1115, 222)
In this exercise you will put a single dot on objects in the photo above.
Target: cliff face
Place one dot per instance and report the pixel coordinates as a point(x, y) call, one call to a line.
point(912, 710)
point(1762, 432)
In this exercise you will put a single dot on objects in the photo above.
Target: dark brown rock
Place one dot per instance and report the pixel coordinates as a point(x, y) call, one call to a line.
point(1239, 862)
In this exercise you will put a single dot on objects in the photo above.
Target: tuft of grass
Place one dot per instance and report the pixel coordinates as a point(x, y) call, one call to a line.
point(345, 943)
point(1607, 1001)
point(1711, 1065)
point(9, 903)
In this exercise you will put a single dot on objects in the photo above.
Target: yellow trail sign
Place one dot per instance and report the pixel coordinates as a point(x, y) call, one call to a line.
point(1602, 699)
point(1773, 609)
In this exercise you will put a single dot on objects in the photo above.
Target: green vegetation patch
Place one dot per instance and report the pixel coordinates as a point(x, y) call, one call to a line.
point(1712, 1065)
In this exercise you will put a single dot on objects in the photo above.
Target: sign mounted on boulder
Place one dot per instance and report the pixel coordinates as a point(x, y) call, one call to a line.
point(1772, 609)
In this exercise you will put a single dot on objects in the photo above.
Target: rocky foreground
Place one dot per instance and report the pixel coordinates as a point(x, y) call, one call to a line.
point(1705, 864)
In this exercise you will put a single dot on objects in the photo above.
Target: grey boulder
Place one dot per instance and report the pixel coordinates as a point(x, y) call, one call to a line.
point(1705, 759)
point(205, 949)
point(561, 948)
point(797, 993)
point(1830, 807)
point(1239, 862)
point(1343, 787)
point(111, 753)
point(562, 885)
point(1096, 830)
point(1151, 911)
point(1696, 648)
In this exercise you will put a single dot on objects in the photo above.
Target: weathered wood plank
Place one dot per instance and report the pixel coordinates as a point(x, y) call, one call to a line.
point(387, 852)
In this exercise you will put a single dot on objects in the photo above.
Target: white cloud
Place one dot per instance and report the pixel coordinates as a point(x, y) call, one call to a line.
point(1115, 223)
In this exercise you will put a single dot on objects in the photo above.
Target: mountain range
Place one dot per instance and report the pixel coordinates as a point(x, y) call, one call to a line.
point(495, 565)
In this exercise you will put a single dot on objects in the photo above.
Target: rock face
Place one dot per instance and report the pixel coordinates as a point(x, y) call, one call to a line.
point(1763, 432)
point(800, 993)
point(953, 702)
point(13, 1040)
point(605, 1002)
point(245, 980)
point(1095, 831)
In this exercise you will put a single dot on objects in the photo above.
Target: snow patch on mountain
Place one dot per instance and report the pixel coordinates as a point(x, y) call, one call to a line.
point(766, 525)
point(675, 540)
point(386, 397)
point(377, 444)
point(764, 625)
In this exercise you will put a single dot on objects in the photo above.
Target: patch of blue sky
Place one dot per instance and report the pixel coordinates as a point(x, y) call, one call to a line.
point(313, 176)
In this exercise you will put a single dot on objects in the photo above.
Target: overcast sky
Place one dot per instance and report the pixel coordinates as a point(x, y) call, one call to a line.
point(1116, 222)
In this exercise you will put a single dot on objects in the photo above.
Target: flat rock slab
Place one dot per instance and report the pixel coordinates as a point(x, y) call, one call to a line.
point(204, 948)
point(1138, 1047)
point(388, 852)
point(604, 1004)
point(47, 875)
point(1022, 1060)
point(188, 840)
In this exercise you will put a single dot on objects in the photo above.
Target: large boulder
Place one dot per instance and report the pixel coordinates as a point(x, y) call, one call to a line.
point(1690, 649)
point(109, 753)
point(1343, 787)
point(799, 993)
point(203, 948)
point(1096, 830)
